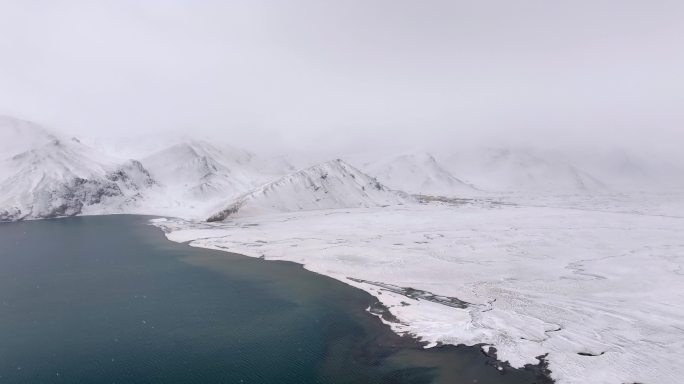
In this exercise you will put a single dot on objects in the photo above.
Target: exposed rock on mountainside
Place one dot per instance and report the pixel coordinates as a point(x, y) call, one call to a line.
point(55, 177)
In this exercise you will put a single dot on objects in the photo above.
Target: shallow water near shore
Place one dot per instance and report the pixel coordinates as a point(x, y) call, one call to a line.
point(109, 299)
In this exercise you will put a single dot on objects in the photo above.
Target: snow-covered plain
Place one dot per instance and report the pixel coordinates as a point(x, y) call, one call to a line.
point(599, 291)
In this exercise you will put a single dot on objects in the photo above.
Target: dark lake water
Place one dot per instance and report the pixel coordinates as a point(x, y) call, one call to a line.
point(107, 299)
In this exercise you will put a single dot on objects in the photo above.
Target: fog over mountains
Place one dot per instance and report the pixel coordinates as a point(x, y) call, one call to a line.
point(523, 158)
point(43, 174)
point(419, 173)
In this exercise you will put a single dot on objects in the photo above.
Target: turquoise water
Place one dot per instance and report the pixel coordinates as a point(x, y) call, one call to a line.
point(107, 299)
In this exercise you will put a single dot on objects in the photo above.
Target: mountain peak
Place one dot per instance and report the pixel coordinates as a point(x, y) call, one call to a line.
point(420, 173)
point(17, 136)
point(328, 185)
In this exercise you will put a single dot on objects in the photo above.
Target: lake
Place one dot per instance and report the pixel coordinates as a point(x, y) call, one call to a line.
point(107, 299)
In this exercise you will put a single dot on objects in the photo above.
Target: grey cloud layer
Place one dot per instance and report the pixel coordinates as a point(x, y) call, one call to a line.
point(337, 74)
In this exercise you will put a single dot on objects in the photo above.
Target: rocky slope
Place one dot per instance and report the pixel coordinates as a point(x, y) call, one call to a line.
point(48, 176)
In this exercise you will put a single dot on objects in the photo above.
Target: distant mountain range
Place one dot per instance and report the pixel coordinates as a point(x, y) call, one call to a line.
point(43, 175)
point(520, 169)
point(539, 171)
point(418, 173)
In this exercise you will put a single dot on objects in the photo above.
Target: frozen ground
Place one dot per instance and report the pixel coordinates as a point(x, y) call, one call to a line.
point(598, 285)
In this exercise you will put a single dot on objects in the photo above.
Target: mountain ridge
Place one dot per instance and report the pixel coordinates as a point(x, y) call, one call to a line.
point(418, 173)
point(332, 184)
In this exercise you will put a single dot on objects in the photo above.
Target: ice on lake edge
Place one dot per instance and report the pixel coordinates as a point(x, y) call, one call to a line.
point(601, 292)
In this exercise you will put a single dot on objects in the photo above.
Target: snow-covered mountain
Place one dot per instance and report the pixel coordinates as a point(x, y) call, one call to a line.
point(625, 171)
point(49, 176)
point(333, 184)
point(522, 170)
point(418, 173)
point(44, 174)
point(17, 136)
point(199, 170)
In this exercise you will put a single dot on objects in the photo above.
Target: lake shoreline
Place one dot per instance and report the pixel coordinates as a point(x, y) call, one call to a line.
point(101, 298)
point(389, 339)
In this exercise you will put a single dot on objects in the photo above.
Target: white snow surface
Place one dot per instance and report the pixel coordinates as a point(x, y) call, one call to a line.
point(566, 171)
point(198, 170)
point(522, 170)
point(332, 184)
point(45, 175)
point(17, 136)
point(564, 281)
point(578, 257)
point(418, 173)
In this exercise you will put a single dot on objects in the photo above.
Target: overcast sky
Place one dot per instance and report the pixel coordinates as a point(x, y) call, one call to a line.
point(339, 74)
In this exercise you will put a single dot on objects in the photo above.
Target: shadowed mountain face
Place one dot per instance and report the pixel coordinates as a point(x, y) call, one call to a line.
point(47, 176)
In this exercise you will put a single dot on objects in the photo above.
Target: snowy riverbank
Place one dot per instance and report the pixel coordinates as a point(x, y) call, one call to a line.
point(599, 292)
